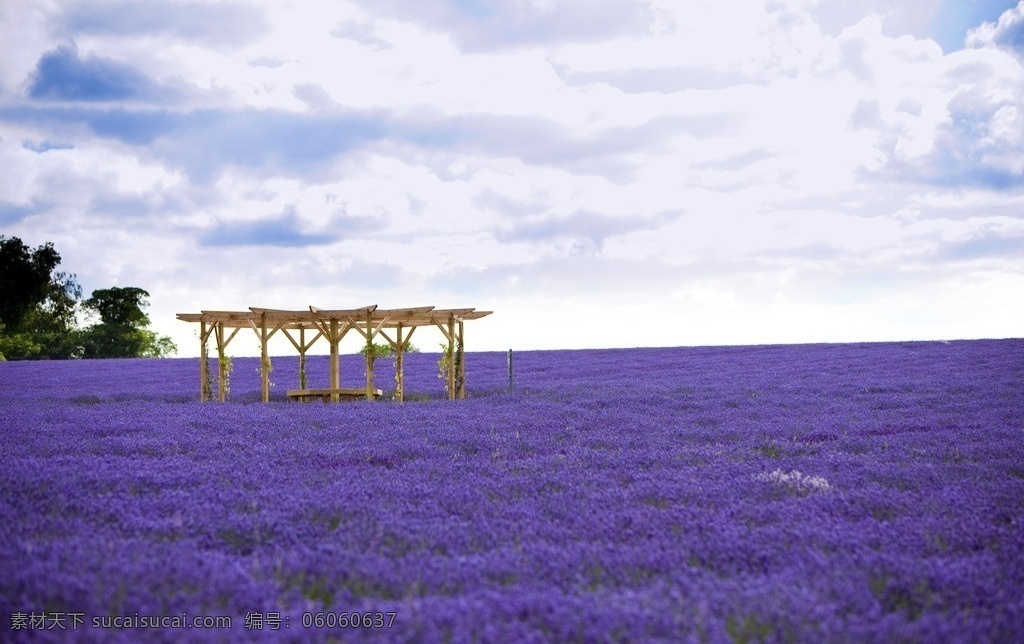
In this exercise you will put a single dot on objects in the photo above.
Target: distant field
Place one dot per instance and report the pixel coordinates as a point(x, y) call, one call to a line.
point(862, 492)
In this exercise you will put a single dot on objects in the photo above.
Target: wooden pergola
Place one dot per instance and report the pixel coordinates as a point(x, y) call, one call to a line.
point(303, 328)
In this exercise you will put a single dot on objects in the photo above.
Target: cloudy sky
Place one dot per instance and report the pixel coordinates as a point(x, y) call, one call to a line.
point(600, 173)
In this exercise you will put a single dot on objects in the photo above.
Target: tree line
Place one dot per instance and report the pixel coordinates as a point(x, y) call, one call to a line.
point(40, 307)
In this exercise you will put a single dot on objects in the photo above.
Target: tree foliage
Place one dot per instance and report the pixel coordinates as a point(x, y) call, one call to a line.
point(24, 280)
point(39, 312)
point(121, 332)
point(38, 307)
point(120, 306)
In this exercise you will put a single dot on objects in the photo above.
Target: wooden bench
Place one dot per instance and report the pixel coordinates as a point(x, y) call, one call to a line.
point(325, 394)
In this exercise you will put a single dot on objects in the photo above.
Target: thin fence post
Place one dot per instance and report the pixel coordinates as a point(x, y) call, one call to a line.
point(510, 369)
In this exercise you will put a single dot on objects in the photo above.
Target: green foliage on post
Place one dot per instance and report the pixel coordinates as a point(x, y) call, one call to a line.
point(223, 371)
point(269, 366)
point(445, 365)
point(207, 393)
point(386, 350)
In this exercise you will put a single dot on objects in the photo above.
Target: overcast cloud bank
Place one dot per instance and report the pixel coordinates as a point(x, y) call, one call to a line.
point(780, 172)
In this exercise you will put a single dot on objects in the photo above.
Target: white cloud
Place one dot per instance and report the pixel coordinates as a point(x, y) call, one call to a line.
point(773, 172)
point(482, 25)
point(1006, 32)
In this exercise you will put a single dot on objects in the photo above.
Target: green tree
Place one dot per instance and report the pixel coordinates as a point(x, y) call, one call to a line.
point(24, 279)
point(122, 332)
point(38, 307)
point(39, 312)
point(54, 322)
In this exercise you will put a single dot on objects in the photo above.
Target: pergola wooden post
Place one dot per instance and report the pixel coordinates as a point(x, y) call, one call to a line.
point(221, 364)
point(399, 362)
point(451, 357)
point(399, 345)
point(460, 365)
point(204, 360)
point(447, 327)
point(264, 359)
point(302, 357)
point(334, 339)
point(399, 365)
point(369, 355)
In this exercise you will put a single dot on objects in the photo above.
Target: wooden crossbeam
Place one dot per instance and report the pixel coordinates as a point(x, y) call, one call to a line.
point(399, 343)
point(273, 314)
point(475, 315)
point(326, 314)
point(442, 326)
point(398, 313)
point(230, 337)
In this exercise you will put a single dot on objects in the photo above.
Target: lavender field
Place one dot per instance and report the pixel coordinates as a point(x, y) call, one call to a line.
point(860, 492)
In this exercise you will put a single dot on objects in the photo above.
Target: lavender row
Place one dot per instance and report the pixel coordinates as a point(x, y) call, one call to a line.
point(866, 492)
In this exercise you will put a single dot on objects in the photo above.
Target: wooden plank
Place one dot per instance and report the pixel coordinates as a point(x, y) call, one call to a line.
point(411, 321)
point(435, 317)
point(333, 390)
point(326, 314)
point(307, 345)
point(380, 314)
point(233, 333)
point(333, 395)
point(277, 314)
point(230, 318)
point(405, 343)
point(295, 344)
point(444, 331)
point(456, 312)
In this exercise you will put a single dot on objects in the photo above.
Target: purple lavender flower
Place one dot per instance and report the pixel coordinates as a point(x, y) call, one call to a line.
point(818, 492)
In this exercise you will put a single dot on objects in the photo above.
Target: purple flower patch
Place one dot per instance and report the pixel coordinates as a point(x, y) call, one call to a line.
point(861, 492)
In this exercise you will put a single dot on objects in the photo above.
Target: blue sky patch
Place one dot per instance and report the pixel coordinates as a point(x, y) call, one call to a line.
point(61, 75)
point(45, 146)
point(284, 231)
point(989, 246)
point(217, 23)
point(12, 213)
point(956, 17)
